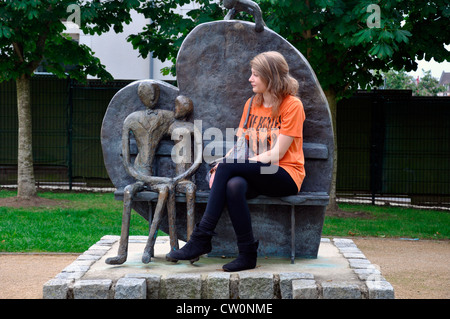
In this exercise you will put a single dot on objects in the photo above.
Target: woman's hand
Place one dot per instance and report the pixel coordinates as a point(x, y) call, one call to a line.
point(277, 152)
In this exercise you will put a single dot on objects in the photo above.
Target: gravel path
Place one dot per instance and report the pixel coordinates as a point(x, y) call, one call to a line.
point(416, 269)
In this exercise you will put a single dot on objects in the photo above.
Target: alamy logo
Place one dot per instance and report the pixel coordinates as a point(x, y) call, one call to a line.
point(374, 20)
point(75, 17)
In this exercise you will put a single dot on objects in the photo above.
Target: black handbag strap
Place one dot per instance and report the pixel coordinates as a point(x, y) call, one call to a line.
point(248, 112)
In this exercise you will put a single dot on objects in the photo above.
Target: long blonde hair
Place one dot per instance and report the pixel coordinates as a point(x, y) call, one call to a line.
point(274, 72)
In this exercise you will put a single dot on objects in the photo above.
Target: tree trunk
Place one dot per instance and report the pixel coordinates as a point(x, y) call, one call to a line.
point(332, 103)
point(26, 186)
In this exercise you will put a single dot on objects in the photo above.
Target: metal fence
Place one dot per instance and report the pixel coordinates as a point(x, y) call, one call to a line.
point(392, 147)
point(67, 118)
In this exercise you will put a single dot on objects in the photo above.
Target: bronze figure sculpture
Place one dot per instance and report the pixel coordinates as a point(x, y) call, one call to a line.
point(148, 128)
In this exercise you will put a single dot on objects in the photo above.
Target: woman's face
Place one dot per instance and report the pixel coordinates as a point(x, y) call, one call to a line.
point(257, 82)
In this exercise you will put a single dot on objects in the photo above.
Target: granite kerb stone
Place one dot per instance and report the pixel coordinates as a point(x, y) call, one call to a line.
point(375, 285)
point(131, 288)
point(63, 285)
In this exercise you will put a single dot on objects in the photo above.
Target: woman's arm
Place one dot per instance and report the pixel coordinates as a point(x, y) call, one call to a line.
point(276, 152)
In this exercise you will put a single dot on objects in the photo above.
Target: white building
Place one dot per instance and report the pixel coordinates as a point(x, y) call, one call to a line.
point(118, 55)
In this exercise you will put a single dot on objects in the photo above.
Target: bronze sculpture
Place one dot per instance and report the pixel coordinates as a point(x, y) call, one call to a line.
point(149, 127)
point(249, 6)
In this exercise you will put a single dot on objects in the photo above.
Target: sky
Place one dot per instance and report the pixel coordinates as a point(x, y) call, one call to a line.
point(435, 67)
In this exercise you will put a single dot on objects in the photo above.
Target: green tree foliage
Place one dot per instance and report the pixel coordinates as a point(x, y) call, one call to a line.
point(167, 28)
point(31, 30)
point(398, 80)
point(335, 35)
point(426, 85)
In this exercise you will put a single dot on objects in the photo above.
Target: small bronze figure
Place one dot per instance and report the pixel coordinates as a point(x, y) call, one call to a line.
point(248, 6)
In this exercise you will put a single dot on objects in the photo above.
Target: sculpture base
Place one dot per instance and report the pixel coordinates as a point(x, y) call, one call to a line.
point(340, 271)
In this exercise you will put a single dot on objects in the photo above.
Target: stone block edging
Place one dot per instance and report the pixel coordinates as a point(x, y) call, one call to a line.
point(69, 284)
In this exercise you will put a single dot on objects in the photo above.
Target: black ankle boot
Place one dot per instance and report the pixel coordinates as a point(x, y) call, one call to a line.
point(246, 258)
point(197, 245)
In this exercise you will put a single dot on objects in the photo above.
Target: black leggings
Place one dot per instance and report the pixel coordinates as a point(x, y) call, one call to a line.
point(234, 183)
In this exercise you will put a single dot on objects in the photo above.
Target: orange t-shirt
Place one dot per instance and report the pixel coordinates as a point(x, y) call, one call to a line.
point(263, 130)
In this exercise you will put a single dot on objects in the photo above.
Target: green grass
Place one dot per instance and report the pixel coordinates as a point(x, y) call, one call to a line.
point(86, 217)
point(388, 221)
point(83, 220)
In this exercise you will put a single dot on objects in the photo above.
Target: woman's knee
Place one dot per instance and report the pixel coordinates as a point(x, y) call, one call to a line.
point(236, 186)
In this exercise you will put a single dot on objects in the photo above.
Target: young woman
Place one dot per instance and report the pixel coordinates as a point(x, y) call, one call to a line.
point(276, 121)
